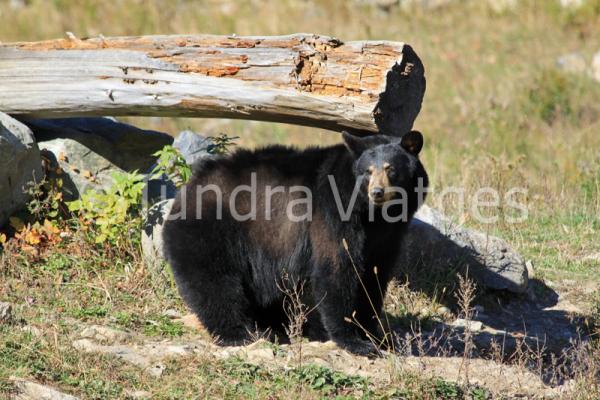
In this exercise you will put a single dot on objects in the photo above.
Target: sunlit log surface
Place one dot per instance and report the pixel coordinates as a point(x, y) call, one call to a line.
point(304, 79)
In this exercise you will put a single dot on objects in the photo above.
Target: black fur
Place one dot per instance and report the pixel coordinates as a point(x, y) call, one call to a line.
point(230, 272)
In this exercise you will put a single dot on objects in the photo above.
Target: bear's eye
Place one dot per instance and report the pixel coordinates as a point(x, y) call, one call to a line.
point(388, 168)
point(369, 170)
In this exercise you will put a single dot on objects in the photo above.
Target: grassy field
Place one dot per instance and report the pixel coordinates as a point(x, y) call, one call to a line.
point(496, 113)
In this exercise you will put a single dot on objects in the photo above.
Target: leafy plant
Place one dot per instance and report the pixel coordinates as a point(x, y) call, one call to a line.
point(90, 312)
point(221, 144)
point(46, 198)
point(327, 381)
point(163, 326)
point(171, 163)
point(479, 393)
point(447, 390)
point(31, 236)
point(109, 211)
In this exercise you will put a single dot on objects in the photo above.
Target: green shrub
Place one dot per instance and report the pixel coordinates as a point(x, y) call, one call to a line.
point(110, 212)
point(557, 96)
point(550, 96)
point(171, 163)
point(221, 144)
point(46, 199)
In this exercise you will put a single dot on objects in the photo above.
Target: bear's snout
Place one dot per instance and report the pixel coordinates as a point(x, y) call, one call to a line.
point(377, 193)
point(379, 186)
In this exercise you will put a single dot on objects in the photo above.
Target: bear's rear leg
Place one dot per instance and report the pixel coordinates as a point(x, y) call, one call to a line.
point(222, 307)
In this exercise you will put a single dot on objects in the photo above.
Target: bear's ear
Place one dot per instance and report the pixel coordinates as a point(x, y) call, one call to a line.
point(355, 144)
point(358, 144)
point(412, 142)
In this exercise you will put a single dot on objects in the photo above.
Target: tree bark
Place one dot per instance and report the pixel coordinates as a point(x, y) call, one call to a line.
point(304, 79)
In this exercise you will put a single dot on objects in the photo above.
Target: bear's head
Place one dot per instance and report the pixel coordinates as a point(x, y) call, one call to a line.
point(384, 165)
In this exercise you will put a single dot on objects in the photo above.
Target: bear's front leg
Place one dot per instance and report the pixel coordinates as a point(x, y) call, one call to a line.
point(336, 291)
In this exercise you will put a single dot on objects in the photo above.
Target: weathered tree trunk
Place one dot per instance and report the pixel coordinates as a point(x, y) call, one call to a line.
point(368, 86)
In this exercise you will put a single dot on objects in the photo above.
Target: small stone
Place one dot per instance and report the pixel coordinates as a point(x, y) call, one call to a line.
point(156, 370)
point(572, 63)
point(145, 356)
point(595, 69)
point(260, 355)
point(474, 326)
point(593, 256)
point(530, 270)
point(6, 313)
point(137, 394)
point(571, 3)
point(172, 314)
point(32, 330)
point(500, 6)
point(27, 390)
point(444, 311)
point(104, 334)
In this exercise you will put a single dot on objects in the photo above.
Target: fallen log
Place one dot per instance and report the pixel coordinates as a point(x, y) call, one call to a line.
point(304, 79)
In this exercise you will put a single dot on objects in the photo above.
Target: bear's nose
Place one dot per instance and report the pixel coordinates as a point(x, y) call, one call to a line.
point(377, 193)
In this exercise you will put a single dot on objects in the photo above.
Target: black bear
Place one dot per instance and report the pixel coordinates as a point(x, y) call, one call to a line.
point(331, 218)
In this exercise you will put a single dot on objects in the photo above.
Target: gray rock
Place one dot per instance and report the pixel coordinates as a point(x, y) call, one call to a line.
point(156, 370)
point(89, 150)
point(148, 356)
point(104, 334)
point(6, 313)
point(193, 146)
point(474, 326)
point(20, 163)
point(27, 390)
point(152, 242)
point(434, 242)
point(572, 63)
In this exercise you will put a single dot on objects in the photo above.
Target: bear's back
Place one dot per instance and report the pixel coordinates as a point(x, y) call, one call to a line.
point(281, 160)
